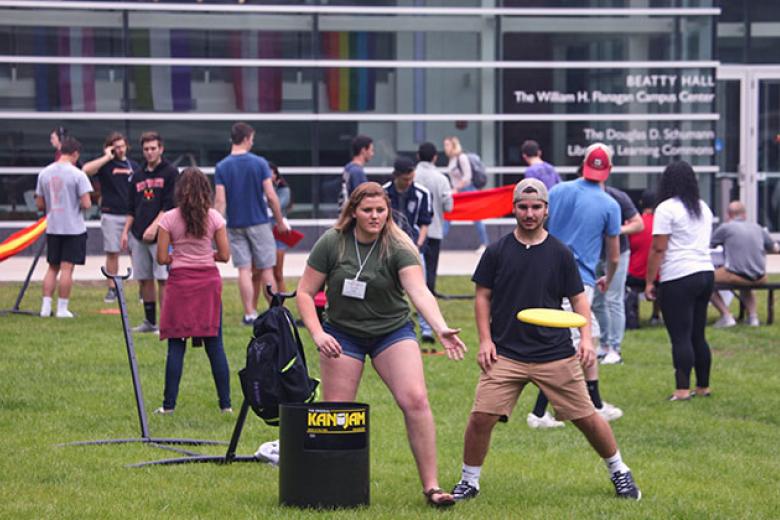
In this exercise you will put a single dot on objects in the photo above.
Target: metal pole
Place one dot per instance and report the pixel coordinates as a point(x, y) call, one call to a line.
point(26, 283)
point(314, 128)
point(139, 395)
point(126, 75)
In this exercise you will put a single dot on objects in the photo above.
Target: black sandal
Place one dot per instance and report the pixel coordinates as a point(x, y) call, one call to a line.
point(443, 502)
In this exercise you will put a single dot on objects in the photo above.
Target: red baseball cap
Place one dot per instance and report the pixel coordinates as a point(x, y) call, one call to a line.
point(597, 163)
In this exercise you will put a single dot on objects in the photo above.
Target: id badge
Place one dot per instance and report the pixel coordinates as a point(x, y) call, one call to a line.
point(354, 289)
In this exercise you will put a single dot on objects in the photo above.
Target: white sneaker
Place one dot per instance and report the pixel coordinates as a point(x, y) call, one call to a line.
point(601, 352)
point(753, 321)
point(269, 451)
point(724, 322)
point(65, 313)
point(545, 421)
point(609, 412)
point(612, 358)
point(45, 314)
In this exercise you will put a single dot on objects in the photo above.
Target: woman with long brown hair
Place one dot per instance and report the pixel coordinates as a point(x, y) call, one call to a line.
point(367, 263)
point(193, 302)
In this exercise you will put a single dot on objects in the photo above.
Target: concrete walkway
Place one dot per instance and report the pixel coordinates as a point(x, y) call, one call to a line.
point(450, 263)
point(15, 268)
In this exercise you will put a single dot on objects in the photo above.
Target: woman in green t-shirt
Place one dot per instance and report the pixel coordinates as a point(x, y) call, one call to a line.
point(367, 263)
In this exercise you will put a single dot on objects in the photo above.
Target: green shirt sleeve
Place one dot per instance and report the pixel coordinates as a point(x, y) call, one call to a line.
point(403, 257)
point(323, 254)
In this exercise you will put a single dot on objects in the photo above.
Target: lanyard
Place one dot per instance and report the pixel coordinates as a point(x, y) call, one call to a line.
point(129, 167)
point(361, 262)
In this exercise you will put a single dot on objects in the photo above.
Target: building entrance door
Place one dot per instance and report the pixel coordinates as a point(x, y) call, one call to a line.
point(749, 140)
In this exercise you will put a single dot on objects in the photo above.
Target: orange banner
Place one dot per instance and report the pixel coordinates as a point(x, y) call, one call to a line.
point(483, 204)
point(22, 239)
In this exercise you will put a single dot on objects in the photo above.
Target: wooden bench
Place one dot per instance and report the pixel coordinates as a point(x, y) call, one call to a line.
point(770, 287)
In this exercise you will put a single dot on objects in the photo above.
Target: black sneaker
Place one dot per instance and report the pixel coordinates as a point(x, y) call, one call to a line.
point(464, 491)
point(625, 487)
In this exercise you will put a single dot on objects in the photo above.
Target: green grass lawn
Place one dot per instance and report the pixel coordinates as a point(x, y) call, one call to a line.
point(68, 380)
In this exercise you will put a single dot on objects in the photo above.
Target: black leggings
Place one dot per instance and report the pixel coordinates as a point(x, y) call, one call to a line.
point(684, 307)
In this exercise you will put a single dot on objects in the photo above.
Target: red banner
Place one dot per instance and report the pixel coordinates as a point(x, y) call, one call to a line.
point(481, 205)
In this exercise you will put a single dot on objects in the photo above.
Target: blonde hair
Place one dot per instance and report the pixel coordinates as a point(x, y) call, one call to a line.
point(390, 236)
point(457, 149)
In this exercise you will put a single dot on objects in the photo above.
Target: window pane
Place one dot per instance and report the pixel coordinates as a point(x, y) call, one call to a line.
point(185, 37)
point(17, 197)
point(604, 38)
point(404, 91)
point(100, 88)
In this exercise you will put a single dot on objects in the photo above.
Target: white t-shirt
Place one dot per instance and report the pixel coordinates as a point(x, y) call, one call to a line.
point(688, 251)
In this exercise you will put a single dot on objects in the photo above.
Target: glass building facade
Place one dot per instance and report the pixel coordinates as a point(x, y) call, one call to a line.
point(656, 79)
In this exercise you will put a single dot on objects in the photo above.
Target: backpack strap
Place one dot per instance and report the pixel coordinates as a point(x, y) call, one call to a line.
point(291, 323)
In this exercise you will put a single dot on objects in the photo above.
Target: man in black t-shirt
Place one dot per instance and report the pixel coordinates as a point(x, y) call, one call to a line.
point(150, 195)
point(113, 170)
point(531, 268)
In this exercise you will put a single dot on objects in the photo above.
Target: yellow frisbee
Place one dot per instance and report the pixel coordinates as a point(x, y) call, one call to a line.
point(551, 318)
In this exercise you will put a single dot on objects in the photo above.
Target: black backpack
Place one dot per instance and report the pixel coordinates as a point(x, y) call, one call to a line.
point(275, 371)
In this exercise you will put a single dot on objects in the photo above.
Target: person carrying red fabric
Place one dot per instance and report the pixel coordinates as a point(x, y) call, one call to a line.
point(639, 244)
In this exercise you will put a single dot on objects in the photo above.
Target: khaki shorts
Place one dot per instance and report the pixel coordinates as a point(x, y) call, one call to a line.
point(144, 259)
point(722, 275)
point(562, 381)
point(112, 227)
point(254, 245)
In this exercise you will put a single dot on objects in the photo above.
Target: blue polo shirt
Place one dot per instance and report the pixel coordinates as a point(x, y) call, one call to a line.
point(581, 215)
point(242, 176)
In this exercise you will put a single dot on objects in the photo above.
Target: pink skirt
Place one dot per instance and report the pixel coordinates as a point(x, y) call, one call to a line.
point(192, 305)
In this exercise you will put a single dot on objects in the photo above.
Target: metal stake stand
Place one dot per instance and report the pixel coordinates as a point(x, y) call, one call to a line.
point(15, 309)
point(227, 458)
point(453, 296)
point(145, 438)
point(277, 299)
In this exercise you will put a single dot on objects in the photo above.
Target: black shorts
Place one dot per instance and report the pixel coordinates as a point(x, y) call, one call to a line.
point(66, 248)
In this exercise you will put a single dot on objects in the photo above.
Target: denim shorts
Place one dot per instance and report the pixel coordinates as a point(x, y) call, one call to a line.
point(357, 348)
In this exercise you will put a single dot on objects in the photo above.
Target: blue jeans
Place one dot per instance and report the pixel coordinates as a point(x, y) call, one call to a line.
point(609, 307)
point(481, 230)
point(174, 365)
point(425, 328)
